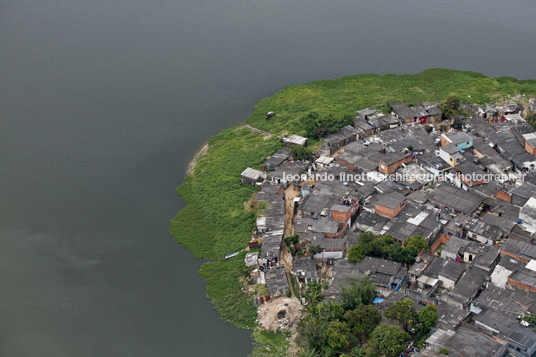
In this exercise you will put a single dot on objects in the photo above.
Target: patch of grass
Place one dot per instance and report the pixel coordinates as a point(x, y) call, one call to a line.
point(215, 221)
point(269, 344)
point(347, 94)
point(225, 290)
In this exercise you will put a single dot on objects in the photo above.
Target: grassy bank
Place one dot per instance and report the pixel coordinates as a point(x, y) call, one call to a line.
point(215, 221)
point(347, 94)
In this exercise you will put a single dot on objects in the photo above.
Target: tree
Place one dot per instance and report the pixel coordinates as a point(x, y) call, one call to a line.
point(427, 316)
point(386, 108)
point(396, 252)
point(365, 240)
point(314, 250)
point(333, 309)
point(531, 319)
point(391, 340)
point(346, 120)
point(402, 311)
point(415, 245)
point(313, 294)
point(337, 335)
point(292, 250)
point(380, 246)
point(356, 253)
point(310, 352)
point(309, 123)
point(292, 240)
point(287, 241)
point(300, 152)
point(450, 107)
point(357, 292)
point(358, 352)
point(444, 351)
point(363, 319)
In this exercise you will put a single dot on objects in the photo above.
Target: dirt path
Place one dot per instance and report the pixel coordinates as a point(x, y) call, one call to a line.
point(255, 130)
point(290, 194)
point(286, 257)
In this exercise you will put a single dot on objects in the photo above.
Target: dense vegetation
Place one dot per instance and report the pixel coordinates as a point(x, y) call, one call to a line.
point(269, 344)
point(386, 247)
point(351, 328)
point(215, 221)
point(343, 96)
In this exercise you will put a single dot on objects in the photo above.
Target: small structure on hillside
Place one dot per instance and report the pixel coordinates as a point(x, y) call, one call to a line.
point(252, 176)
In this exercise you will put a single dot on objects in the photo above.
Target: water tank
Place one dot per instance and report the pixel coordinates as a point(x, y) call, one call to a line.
point(519, 221)
point(345, 183)
point(462, 151)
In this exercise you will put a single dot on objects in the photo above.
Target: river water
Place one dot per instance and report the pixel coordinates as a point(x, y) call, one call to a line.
point(103, 103)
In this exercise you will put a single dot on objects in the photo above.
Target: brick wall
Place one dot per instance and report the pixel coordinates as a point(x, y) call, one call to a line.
point(389, 169)
point(519, 285)
point(504, 196)
point(351, 167)
point(341, 216)
point(514, 256)
point(389, 212)
point(443, 239)
point(444, 141)
point(530, 149)
point(471, 183)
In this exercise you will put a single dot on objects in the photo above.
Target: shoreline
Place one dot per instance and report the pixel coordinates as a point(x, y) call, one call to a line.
point(215, 220)
point(191, 165)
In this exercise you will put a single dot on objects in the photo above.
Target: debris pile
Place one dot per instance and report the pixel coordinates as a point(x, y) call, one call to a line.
point(282, 314)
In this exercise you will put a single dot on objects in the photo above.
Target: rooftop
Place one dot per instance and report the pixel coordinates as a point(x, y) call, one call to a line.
point(393, 157)
point(452, 270)
point(276, 280)
point(450, 149)
point(403, 110)
point(468, 341)
point(457, 222)
point(508, 303)
point(468, 285)
point(344, 133)
point(462, 201)
point(501, 222)
point(509, 329)
point(449, 316)
point(454, 245)
point(278, 158)
point(295, 140)
point(306, 267)
point(519, 249)
point(391, 200)
point(252, 174)
point(484, 229)
point(458, 137)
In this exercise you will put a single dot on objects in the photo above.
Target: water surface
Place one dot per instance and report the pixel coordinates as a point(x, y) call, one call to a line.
point(102, 103)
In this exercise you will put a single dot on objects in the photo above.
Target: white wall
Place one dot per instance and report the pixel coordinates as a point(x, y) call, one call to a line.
point(328, 255)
